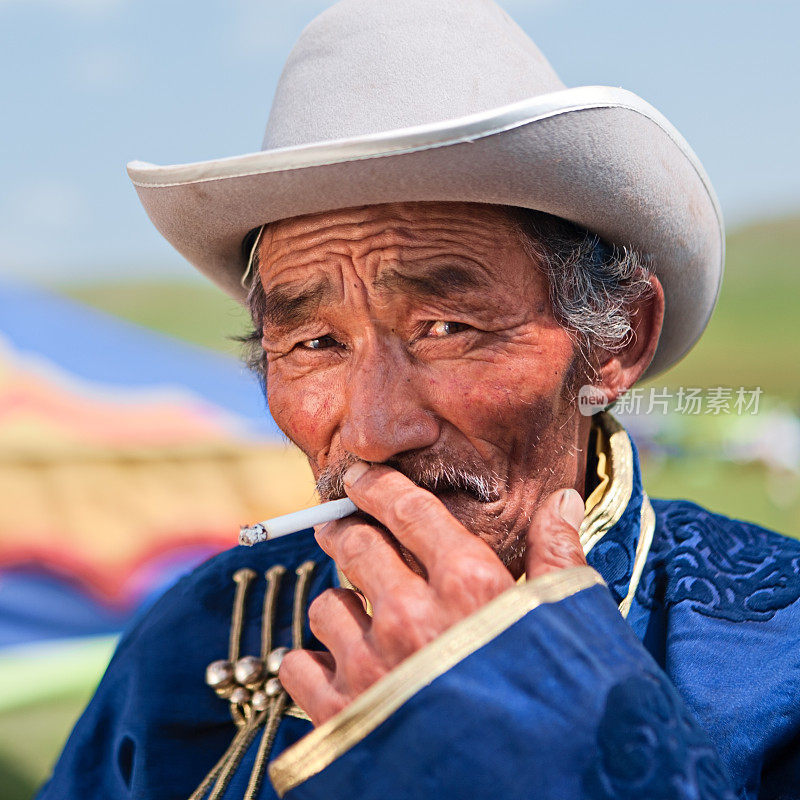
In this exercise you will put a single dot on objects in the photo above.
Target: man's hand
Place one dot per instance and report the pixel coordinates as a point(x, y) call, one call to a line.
point(463, 574)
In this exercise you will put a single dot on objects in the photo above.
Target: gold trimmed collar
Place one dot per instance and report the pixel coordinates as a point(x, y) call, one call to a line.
point(607, 503)
point(615, 471)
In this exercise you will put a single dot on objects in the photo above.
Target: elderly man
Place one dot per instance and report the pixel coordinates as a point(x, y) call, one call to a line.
point(443, 248)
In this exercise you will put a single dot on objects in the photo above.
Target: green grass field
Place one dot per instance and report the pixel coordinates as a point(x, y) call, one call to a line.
point(31, 738)
point(189, 310)
point(751, 341)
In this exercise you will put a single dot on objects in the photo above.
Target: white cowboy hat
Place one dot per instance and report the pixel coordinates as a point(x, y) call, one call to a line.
point(409, 100)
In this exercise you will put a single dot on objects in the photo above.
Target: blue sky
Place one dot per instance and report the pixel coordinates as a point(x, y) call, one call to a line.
point(88, 85)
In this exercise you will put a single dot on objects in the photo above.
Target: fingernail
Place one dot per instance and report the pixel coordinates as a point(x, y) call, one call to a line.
point(354, 473)
point(571, 507)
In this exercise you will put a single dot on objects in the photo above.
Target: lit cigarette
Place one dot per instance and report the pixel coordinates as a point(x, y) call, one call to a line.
point(296, 521)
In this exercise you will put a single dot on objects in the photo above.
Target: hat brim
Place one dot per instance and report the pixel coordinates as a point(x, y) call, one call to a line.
point(597, 156)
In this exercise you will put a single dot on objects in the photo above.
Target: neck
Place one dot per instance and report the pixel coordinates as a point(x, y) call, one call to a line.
point(585, 481)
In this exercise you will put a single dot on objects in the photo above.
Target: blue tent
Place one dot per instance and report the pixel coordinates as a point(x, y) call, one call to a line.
point(98, 347)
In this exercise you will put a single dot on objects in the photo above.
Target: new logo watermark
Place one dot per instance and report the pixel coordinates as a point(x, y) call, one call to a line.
point(591, 400)
point(689, 400)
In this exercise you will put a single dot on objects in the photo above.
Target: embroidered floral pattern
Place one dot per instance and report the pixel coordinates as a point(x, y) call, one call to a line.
point(648, 746)
point(613, 559)
point(725, 568)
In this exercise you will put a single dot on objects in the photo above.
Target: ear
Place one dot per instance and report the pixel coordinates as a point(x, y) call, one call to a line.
point(618, 371)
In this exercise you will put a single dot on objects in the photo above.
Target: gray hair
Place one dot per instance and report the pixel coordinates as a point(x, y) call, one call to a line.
point(594, 286)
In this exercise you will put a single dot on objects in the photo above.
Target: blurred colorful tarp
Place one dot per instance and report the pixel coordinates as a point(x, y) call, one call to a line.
point(126, 458)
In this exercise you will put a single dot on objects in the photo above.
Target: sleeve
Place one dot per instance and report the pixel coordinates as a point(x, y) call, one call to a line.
point(545, 692)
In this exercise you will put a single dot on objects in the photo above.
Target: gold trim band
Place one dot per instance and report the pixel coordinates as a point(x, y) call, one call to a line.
point(647, 527)
point(319, 748)
point(619, 465)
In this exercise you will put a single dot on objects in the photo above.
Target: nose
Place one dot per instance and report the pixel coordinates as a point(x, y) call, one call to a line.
point(385, 413)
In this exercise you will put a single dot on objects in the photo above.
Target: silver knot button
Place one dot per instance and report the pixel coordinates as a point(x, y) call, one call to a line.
point(259, 700)
point(240, 696)
point(249, 671)
point(275, 659)
point(219, 674)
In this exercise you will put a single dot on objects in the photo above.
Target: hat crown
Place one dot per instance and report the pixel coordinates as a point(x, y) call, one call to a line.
point(368, 66)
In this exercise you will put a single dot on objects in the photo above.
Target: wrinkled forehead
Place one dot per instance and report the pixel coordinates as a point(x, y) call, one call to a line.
point(469, 230)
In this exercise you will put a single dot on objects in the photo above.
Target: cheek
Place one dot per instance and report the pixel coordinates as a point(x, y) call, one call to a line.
point(494, 399)
point(305, 415)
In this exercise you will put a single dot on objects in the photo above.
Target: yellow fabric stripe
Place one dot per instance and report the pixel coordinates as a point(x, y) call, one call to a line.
point(105, 513)
point(618, 468)
point(647, 527)
point(601, 443)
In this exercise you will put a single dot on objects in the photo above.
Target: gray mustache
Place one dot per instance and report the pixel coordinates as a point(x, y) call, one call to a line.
point(433, 473)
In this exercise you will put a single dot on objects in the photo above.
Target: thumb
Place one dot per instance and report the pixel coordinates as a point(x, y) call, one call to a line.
point(553, 542)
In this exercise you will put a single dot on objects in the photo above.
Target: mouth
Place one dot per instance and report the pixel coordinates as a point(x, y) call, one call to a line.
point(451, 484)
point(455, 498)
point(451, 494)
point(476, 490)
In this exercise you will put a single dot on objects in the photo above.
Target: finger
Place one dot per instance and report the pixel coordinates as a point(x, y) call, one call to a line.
point(553, 541)
point(308, 676)
point(417, 518)
point(337, 618)
point(366, 556)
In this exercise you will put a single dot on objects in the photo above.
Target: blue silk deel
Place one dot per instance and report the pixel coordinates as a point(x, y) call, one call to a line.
point(695, 695)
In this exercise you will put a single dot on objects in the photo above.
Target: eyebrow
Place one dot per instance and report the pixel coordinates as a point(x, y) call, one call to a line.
point(291, 306)
point(435, 282)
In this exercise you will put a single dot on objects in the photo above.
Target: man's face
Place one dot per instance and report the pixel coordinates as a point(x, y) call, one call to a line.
point(421, 335)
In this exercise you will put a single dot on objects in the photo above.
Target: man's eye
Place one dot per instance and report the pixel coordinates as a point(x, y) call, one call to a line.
point(442, 328)
point(319, 343)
